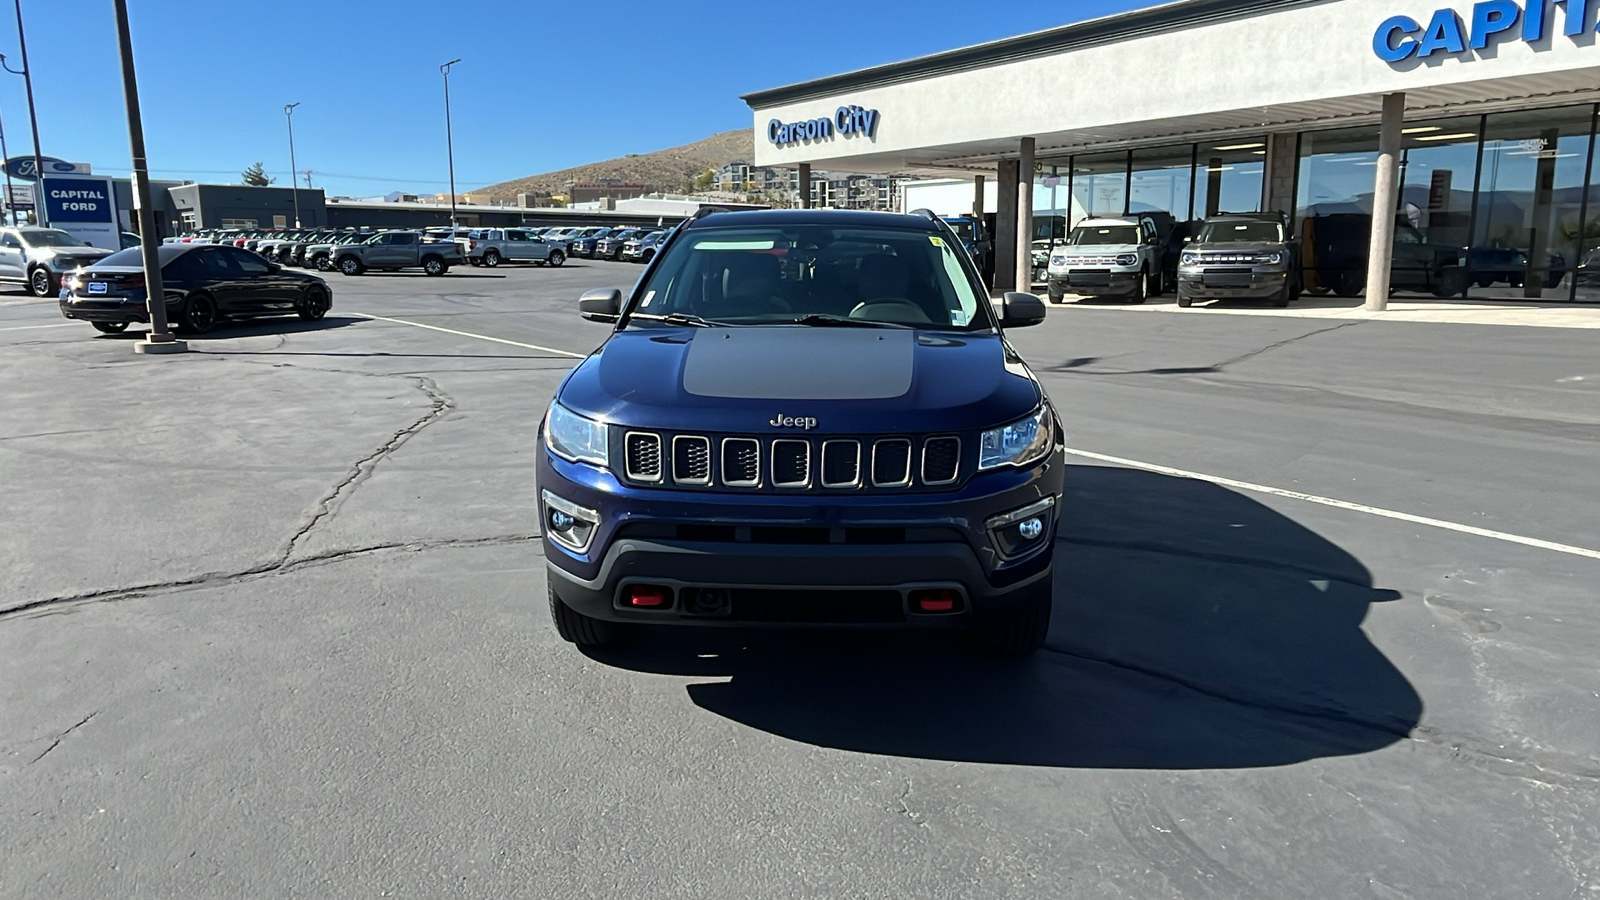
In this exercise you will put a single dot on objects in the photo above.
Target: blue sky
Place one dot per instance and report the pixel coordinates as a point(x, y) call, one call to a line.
point(542, 85)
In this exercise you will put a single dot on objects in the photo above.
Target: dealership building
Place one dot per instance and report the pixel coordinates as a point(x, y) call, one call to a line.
point(1473, 122)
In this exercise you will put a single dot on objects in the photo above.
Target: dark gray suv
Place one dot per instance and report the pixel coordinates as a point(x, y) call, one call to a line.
point(1241, 256)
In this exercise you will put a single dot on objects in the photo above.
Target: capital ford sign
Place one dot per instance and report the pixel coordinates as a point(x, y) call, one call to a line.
point(847, 120)
point(78, 200)
point(1401, 38)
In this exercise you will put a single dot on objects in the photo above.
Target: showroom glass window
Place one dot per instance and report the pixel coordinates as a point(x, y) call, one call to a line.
point(1529, 235)
point(1162, 181)
point(1100, 184)
point(1229, 176)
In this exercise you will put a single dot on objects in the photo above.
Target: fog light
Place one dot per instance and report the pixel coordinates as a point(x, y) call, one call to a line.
point(569, 524)
point(649, 596)
point(560, 521)
point(1031, 529)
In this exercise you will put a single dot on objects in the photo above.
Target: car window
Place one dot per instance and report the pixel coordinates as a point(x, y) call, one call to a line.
point(402, 239)
point(10, 242)
point(768, 275)
point(250, 264)
point(1241, 233)
point(217, 263)
point(516, 235)
point(1103, 234)
point(50, 238)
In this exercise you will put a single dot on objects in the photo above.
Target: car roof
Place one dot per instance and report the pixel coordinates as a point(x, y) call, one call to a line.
point(1095, 223)
point(783, 217)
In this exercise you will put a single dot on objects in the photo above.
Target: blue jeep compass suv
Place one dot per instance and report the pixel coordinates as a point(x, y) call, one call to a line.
point(804, 417)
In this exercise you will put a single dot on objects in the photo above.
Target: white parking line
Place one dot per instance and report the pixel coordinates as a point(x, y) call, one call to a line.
point(470, 334)
point(31, 327)
point(1344, 504)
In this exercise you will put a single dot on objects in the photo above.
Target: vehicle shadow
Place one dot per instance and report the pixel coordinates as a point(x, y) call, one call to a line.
point(1193, 628)
point(263, 327)
point(455, 272)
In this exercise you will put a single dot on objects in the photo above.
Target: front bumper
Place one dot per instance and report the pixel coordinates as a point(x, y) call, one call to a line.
point(1256, 285)
point(878, 546)
point(1095, 282)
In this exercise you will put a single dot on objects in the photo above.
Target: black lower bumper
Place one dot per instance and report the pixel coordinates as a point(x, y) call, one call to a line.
point(1112, 284)
point(833, 585)
point(1260, 286)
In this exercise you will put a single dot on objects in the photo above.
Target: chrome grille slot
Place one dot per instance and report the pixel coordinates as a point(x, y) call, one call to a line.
point(891, 462)
point(741, 462)
point(791, 463)
point(691, 459)
point(941, 460)
point(642, 459)
point(841, 464)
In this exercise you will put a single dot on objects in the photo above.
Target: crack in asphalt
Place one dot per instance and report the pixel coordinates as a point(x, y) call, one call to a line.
point(49, 605)
point(1080, 366)
point(328, 505)
point(1547, 768)
point(62, 736)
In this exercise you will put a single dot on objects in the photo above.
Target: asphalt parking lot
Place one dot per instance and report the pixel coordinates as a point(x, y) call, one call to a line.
point(274, 624)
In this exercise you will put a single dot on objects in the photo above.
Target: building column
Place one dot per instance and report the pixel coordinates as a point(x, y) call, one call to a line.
point(1385, 202)
point(1024, 257)
point(977, 198)
point(1005, 226)
point(1277, 188)
point(803, 185)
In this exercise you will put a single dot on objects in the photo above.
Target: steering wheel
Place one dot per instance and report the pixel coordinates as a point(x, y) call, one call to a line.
point(890, 309)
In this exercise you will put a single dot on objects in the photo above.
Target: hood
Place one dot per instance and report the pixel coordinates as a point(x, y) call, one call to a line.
point(1236, 247)
point(850, 380)
point(75, 252)
point(1095, 250)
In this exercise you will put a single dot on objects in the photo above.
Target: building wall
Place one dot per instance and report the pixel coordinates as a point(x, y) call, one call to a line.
point(209, 205)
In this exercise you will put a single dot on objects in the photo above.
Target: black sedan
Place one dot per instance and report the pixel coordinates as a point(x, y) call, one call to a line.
point(204, 284)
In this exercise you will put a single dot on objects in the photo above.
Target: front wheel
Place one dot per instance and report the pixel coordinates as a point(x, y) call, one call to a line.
point(1184, 300)
point(1020, 630)
point(314, 305)
point(433, 265)
point(577, 628)
point(557, 257)
point(1056, 296)
point(1142, 292)
point(321, 263)
point(42, 283)
point(110, 327)
point(349, 265)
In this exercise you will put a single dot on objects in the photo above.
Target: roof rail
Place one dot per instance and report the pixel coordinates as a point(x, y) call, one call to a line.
point(704, 211)
point(923, 212)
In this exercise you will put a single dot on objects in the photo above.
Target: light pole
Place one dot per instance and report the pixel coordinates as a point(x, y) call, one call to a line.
point(33, 119)
point(160, 339)
point(294, 183)
point(10, 194)
point(449, 144)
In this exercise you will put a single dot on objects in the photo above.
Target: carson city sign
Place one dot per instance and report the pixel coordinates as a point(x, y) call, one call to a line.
point(846, 120)
point(1401, 38)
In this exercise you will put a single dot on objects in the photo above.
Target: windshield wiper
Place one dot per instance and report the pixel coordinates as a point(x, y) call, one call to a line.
point(825, 320)
point(675, 319)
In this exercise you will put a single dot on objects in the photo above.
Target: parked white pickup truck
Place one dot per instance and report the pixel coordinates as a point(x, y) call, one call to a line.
point(493, 246)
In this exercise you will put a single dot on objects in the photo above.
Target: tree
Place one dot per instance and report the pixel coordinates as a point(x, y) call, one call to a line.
point(255, 176)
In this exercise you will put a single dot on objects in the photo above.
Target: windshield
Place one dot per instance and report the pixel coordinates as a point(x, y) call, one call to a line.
point(50, 238)
point(777, 274)
point(962, 228)
point(1088, 235)
point(1241, 233)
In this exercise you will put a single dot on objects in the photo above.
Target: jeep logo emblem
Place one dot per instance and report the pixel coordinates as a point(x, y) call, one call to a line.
point(783, 421)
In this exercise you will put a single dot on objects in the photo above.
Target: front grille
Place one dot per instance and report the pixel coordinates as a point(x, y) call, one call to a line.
point(841, 464)
point(791, 463)
point(741, 462)
point(643, 458)
point(785, 464)
point(891, 463)
point(691, 459)
point(941, 460)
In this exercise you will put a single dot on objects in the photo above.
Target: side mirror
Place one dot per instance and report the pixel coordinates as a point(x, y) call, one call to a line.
point(1021, 310)
point(600, 304)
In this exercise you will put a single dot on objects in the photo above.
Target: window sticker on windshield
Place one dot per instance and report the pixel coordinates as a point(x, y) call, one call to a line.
point(647, 298)
point(936, 240)
point(958, 318)
point(735, 245)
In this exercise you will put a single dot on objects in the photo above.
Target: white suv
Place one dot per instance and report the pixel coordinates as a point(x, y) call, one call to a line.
point(1109, 257)
point(39, 257)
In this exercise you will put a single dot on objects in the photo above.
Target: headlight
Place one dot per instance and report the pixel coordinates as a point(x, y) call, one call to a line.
point(1189, 259)
point(1269, 259)
point(1127, 259)
point(1058, 260)
point(1017, 444)
point(575, 438)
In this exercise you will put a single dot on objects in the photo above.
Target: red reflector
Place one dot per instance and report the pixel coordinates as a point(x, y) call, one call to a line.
point(935, 601)
point(647, 595)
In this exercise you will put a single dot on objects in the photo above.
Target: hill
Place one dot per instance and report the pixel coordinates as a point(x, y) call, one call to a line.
point(663, 170)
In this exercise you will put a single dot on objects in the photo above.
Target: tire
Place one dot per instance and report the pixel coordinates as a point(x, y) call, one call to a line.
point(1019, 631)
point(321, 263)
point(349, 265)
point(1349, 284)
point(557, 257)
point(649, 255)
point(1450, 284)
point(199, 314)
point(577, 628)
point(1486, 281)
point(1056, 296)
point(1184, 300)
point(314, 305)
point(110, 327)
point(433, 265)
point(1143, 293)
point(42, 283)
point(490, 259)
